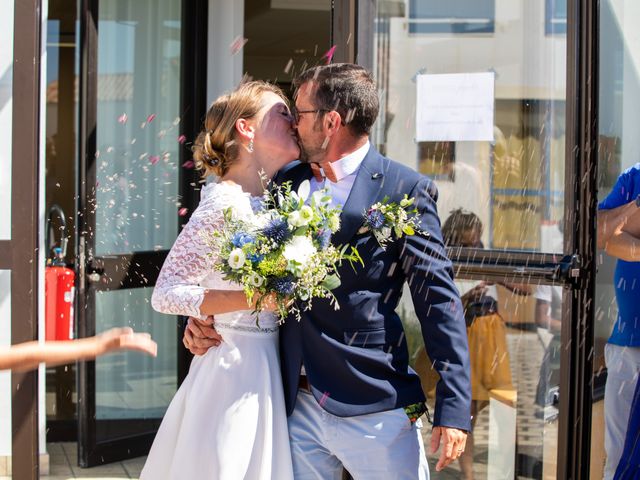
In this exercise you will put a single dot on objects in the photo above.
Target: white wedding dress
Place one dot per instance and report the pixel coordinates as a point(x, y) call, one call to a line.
point(227, 421)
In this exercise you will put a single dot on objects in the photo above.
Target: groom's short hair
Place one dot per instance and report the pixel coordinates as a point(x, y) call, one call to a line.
point(348, 89)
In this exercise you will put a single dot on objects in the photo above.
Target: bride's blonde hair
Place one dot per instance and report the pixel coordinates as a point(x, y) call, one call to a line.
point(216, 148)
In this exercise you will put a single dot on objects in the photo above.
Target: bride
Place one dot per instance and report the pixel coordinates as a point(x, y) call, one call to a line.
point(227, 420)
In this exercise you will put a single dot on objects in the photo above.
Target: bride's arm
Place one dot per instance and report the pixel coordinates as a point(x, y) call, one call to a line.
point(178, 290)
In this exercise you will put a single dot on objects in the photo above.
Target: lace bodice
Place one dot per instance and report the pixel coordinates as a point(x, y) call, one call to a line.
point(188, 270)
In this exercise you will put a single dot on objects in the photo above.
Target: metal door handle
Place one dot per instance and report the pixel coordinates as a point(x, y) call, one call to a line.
point(94, 277)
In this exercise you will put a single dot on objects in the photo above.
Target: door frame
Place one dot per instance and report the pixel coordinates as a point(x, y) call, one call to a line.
point(576, 271)
point(193, 109)
point(21, 254)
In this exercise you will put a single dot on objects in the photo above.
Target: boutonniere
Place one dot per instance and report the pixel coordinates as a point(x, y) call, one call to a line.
point(390, 220)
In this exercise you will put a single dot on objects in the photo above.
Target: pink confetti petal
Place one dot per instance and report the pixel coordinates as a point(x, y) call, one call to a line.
point(123, 118)
point(151, 117)
point(153, 159)
point(237, 44)
point(188, 164)
point(182, 139)
point(183, 211)
point(329, 54)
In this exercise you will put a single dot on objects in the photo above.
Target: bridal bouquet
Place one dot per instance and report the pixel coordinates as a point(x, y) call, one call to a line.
point(284, 249)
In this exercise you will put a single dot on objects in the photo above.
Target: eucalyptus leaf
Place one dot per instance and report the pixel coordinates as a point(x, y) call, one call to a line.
point(331, 282)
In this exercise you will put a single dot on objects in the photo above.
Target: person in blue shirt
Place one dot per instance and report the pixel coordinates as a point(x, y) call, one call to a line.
point(619, 236)
point(629, 465)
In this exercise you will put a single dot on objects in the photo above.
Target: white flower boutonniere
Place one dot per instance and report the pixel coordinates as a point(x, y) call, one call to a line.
point(390, 220)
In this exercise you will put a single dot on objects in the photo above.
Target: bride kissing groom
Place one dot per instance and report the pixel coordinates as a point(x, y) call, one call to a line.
point(345, 392)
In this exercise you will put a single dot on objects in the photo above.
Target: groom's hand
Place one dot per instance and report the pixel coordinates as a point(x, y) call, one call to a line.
point(453, 443)
point(200, 335)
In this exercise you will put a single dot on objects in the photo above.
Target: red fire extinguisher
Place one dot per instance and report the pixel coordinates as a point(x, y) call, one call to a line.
point(59, 290)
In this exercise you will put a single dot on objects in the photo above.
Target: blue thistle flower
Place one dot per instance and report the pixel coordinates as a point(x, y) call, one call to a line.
point(324, 237)
point(277, 230)
point(240, 239)
point(375, 219)
point(283, 286)
point(256, 258)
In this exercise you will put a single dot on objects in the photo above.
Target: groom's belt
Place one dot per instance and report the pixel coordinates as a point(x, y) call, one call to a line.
point(414, 411)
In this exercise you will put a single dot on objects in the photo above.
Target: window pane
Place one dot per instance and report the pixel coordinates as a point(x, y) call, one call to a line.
point(618, 282)
point(514, 346)
point(452, 9)
point(454, 16)
point(138, 118)
point(509, 186)
point(131, 385)
point(514, 181)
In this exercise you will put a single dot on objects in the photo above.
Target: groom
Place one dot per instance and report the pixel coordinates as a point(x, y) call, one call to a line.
point(352, 398)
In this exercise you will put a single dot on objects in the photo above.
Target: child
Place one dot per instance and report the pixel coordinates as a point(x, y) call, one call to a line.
point(28, 355)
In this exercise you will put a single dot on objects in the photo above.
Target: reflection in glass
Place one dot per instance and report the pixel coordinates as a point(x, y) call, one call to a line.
point(507, 193)
point(131, 385)
point(617, 349)
point(514, 345)
point(138, 117)
point(515, 183)
point(60, 187)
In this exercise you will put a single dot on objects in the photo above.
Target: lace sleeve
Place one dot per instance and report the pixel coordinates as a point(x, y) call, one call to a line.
point(178, 290)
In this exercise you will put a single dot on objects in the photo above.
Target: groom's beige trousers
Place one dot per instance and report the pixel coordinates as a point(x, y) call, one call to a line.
point(383, 445)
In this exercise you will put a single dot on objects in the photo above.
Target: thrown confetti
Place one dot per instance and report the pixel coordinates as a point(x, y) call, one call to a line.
point(182, 139)
point(237, 44)
point(151, 117)
point(323, 399)
point(183, 211)
point(329, 54)
point(188, 164)
point(153, 159)
point(123, 118)
point(288, 66)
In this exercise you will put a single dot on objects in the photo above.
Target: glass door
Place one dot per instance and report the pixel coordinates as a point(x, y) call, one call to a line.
point(131, 206)
point(478, 95)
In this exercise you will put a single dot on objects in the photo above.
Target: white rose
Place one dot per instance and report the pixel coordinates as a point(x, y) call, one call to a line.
point(256, 280)
point(299, 249)
point(236, 258)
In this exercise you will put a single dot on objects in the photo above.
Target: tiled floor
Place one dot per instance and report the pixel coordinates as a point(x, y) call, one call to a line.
point(64, 465)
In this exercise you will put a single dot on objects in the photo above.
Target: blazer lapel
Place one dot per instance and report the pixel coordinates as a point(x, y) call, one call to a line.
point(364, 193)
point(296, 174)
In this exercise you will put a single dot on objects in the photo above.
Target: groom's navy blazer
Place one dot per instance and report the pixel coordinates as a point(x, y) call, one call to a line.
point(356, 358)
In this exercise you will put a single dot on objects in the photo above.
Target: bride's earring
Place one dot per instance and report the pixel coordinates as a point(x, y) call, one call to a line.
point(250, 146)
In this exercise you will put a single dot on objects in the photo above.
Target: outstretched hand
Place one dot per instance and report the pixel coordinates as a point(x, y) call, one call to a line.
point(126, 339)
point(453, 443)
point(200, 335)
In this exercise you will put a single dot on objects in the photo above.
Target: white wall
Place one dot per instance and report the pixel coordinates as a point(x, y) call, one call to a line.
point(6, 61)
